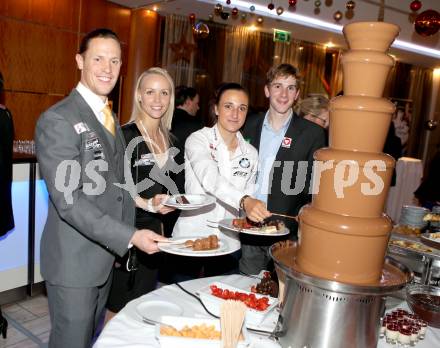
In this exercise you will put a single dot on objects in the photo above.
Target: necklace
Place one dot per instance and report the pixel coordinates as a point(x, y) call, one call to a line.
point(156, 149)
point(159, 155)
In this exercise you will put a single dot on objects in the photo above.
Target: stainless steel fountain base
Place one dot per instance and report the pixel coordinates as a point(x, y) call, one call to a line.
point(312, 317)
point(318, 313)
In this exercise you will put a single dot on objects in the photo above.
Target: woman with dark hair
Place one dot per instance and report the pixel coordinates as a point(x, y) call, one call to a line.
point(220, 163)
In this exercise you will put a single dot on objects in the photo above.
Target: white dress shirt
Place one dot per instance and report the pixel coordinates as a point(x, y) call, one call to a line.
point(94, 101)
point(211, 169)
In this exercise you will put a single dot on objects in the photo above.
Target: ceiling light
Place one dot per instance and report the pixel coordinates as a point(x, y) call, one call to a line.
point(329, 44)
point(319, 24)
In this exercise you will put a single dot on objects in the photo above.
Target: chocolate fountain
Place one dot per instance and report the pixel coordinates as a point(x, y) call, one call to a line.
point(336, 276)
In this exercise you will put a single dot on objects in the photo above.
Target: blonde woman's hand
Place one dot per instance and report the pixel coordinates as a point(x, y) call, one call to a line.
point(157, 202)
point(154, 205)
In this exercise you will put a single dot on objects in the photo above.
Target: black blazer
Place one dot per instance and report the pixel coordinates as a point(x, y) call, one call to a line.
point(6, 140)
point(306, 137)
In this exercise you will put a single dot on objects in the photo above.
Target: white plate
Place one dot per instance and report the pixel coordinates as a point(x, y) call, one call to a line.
point(176, 247)
point(227, 224)
point(195, 201)
point(253, 317)
point(155, 309)
point(183, 342)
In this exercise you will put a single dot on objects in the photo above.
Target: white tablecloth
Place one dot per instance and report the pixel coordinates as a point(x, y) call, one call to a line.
point(126, 329)
point(409, 172)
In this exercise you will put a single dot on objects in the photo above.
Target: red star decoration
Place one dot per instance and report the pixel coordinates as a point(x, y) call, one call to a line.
point(182, 49)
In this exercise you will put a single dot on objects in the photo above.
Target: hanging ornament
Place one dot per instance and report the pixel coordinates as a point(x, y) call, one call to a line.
point(317, 3)
point(201, 30)
point(252, 8)
point(211, 17)
point(337, 16)
point(234, 11)
point(350, 5)
point(243, 16)
point(218, 9)
point(182, 50)
point(427, 23)
point(280, 10)
point(412, 17)
point(415, 5)
point(192, 18)
point(271, 6)
point(228, 2)
point(431, 124)
point(292, 2)
point(260, 20)
point(224, 15)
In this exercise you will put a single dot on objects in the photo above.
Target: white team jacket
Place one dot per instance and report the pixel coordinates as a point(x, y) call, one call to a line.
point(210, 169)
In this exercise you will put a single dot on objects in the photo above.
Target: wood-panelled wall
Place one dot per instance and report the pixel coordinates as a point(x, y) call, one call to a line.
point(38, 42)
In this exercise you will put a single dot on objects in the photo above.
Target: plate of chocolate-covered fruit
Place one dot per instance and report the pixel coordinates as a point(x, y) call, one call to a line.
point(199, 246)
point(271, 228)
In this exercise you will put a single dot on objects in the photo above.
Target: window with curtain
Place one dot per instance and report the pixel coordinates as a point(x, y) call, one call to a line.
point(177, 30)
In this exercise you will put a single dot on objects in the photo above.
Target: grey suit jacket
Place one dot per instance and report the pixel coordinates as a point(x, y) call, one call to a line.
point(80, 239)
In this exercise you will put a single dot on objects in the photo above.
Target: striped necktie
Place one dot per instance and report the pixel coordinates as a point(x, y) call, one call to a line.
point(109, 122)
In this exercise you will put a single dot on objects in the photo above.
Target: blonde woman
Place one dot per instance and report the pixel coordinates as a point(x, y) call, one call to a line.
point(148, 132)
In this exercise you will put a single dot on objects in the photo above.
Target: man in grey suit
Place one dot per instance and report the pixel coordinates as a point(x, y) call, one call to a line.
point(80, 149)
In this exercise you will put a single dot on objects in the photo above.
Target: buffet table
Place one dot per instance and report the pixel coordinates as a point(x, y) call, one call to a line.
point(126, 329)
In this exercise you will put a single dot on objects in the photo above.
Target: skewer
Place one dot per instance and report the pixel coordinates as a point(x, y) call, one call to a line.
point(286, 216)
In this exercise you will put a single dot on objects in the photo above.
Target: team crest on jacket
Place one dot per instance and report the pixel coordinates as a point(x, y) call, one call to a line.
point(244, 163)
point(286, 142)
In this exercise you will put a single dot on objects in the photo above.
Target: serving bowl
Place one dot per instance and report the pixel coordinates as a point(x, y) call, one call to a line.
point(424, 300)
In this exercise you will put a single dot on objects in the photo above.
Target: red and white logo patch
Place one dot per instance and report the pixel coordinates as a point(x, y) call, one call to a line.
point(286, 142)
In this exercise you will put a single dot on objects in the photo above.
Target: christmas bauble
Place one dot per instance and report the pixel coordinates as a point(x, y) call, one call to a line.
point(337, 16)
point(427, 23)
point(280, 10)
point(201, 30)
point(415, 5)
point(218, 9)
point(350, 5)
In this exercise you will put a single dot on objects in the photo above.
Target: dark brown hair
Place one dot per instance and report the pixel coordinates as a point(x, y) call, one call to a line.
point(226, 87)
point(183, 93)
point(100, 32)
